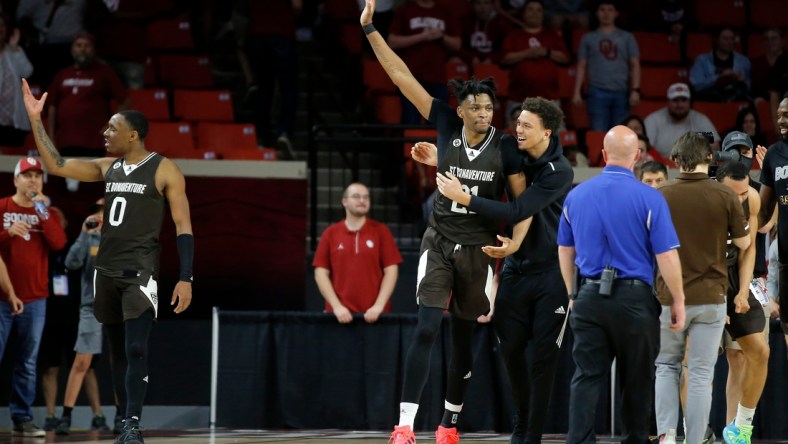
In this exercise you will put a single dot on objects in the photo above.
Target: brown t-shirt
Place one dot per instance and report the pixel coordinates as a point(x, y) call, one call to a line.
point(703, 211)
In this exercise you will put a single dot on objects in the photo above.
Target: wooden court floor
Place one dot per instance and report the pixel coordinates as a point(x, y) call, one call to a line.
point(220, 436)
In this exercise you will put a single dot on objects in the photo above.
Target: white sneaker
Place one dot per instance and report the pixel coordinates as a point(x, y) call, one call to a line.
point(668, 438)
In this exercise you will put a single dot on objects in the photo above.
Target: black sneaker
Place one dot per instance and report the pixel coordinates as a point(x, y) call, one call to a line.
point(518, 434)
point(28, 429)
point(63, 426)
point(51, 422)
point(131, 433)
point(99, 423)
point(117, 425)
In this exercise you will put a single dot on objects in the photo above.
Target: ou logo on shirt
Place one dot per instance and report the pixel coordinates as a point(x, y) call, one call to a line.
point(781, 173)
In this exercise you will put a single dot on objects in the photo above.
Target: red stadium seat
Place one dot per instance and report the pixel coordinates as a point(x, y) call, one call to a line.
point(656, 48)
point(566, 82)
point(655, 80)
point(768, 13)
point(185, 71)
point(255, 154)
point(712, 14)
point(483, 70)
point(765, 116)
point(576, 116)
point(568, 138)
point(169, 35)
point(457, 69)
point(211, 106)
point(169, 138)
point(151, 102)
point(722, 115)
point(755, 45)
point(375, 78)
point(225, 136)
point(150, 78)
point(424, 135)
point(593, 141)
point(388, 109)
point(577, 35)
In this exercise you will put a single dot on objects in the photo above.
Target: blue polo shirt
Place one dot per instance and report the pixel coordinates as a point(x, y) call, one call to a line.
point(614, 219)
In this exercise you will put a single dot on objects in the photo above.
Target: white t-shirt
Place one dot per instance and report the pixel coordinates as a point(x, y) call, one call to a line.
point(662, 131)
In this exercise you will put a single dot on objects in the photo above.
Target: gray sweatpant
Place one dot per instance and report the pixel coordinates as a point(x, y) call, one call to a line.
point(703, 326)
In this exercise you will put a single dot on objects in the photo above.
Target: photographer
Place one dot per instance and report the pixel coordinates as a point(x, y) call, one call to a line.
point(82, 255)
point(695, 197)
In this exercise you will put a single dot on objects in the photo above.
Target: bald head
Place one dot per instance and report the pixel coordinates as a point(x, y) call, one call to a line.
point(621, 146)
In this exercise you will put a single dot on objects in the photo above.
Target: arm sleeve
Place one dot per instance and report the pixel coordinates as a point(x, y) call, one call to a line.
point(53, 232)
point(389, 253)
point(662, 233)
point(774, 271)
point(565, 236)
point(21, 63)
point(632, 47)
point(322, 257)
point(543, 191)
point(582, 47)
point(510, 155)
point(75, 258)
point(699, 77)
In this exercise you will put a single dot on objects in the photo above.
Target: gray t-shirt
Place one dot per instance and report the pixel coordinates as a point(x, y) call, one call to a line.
point(607, 55)
point(663, 132)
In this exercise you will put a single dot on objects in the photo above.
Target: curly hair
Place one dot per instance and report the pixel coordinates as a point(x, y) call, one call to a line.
point(551, 115)
point(464, 88)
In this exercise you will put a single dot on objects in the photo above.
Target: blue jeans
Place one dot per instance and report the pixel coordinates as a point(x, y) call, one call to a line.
point(606, 109)
point(29, 326)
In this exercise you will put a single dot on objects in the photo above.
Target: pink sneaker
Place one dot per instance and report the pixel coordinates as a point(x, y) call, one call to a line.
point(447, 436)
point(402, 435)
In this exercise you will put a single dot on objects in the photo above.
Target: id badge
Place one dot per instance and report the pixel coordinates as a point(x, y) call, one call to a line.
point(758, 289)
point(60, 284)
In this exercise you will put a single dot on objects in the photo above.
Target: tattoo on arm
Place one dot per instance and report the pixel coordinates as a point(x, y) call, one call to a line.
point(48, 146)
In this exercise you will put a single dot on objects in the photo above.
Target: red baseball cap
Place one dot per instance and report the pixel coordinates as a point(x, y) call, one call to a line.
point(27, 164)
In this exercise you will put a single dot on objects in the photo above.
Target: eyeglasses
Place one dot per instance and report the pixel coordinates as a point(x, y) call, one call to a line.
point(359, 196)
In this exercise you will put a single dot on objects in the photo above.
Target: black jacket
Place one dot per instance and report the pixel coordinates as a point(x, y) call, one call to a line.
point(548, 179)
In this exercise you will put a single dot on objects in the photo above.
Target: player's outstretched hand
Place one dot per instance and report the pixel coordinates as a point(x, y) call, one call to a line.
point(507, 247)
point(366, 14)
point(183, 295)
point(425, 152)
point(32, 105)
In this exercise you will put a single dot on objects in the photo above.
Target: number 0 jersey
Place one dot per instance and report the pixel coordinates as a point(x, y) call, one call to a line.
point(133, 215)
point(482, 169)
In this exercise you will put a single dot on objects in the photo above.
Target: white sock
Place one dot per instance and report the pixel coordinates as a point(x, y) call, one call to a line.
point(407, 413)
point(744, 416)
point(684, 422)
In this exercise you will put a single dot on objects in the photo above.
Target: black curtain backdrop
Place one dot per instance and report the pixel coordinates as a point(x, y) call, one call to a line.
point(281, 370)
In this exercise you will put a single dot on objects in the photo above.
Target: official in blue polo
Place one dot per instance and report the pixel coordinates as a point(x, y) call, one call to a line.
point(612, 227)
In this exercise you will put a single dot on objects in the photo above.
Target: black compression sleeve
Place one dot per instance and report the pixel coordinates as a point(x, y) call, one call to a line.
point(186, 255)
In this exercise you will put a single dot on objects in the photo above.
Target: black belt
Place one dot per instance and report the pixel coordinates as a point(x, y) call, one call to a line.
point(630, 282)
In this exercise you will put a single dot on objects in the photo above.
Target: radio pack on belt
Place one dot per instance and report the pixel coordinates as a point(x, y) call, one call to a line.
point(606, 281)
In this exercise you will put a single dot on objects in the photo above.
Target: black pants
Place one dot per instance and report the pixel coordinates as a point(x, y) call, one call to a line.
point(530, 307)
point(624, 325)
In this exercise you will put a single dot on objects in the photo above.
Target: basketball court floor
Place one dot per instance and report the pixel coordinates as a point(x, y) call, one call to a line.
point(220, 436)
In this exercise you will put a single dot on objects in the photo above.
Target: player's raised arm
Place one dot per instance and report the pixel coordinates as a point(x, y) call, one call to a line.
point(393, 64)
point(84, 170)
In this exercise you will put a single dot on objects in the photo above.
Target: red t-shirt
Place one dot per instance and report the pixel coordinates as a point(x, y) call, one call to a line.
point(533, 77)
point(483, 39)
point(28, 259)
point(426, 60)
point(356, 260)
point(83, 97)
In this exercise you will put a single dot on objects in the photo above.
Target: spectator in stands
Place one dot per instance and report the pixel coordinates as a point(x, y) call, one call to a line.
point(722, 75)
point(121, 38)
point(87, 344)
point(692, 197)
point(665, 125)
point(50, 27)
point(653, 174)
point(424, 34)
point(748, 122)
point(28, 238)
point(356, 261)
point(533, 53)
point(645, 156)
point(778, 87)
point(483, 33)
point(81, 101)
point(612, 59)
point(674, 15)
point(763, 65)
point(635, 123)
point(13, 66)
point(772, 283)
point(271, 47)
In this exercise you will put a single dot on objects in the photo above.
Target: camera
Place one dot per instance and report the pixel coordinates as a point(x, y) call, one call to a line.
point(724, 156)
point(91, 224)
